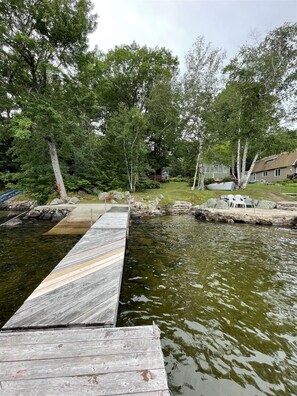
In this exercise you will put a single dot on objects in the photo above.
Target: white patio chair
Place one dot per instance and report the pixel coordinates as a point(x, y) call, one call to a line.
point(230, 200)
point(239, 201)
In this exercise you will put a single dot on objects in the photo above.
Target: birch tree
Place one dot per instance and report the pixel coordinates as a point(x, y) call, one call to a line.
point(124, 142)
point(200, 84)
point(261, 77)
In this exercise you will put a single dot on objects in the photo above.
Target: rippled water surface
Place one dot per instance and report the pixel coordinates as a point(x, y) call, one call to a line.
point(225, 299)
point(26, 258)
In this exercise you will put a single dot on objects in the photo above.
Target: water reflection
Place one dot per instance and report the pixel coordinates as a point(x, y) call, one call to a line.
point(224, 297)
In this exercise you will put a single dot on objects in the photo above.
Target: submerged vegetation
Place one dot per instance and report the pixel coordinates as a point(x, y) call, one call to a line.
point(74, 119)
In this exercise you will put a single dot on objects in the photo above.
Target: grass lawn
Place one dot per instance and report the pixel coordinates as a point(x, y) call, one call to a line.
point(181, 191)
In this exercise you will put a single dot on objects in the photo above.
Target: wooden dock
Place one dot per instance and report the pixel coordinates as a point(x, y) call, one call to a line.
point(62, 340)
point(79, 220)
point(83, 361)
point(84, 288)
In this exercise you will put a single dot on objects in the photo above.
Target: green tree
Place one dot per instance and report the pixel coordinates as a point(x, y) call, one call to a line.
point(259, 78)
point(200, 84)
point(163, 110)
point(131, 72)
point(41, 42)
point(124, 144)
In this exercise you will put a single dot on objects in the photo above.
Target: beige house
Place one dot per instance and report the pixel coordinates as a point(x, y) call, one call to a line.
point(275, 168)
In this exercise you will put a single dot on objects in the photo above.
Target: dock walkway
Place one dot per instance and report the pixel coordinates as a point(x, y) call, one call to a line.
point(84, 288)
point(79, 220)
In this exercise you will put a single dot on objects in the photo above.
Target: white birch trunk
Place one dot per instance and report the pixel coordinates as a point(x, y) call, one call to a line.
point(196, 170)
point(233, 166)
point(244, 157)
point(56, 168)
point(248, 175)
point(243, 165)
point(238, 163)
point(201, 178)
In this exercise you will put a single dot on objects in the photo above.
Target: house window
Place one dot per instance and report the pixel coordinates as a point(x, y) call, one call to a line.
point(264, 173)
point(253, 176)
point(277, 172)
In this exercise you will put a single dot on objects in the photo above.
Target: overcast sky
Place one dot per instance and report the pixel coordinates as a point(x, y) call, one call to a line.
point(175, 24)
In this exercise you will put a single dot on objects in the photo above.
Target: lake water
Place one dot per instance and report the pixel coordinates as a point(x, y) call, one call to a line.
point(26, 258)
point(224, 297)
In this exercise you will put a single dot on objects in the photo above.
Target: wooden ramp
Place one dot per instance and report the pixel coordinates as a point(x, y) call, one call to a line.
point(84, 288)
point(79, 221)
point(83, 361)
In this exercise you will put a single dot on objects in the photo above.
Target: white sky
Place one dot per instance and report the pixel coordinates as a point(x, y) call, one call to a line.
point(175, 24)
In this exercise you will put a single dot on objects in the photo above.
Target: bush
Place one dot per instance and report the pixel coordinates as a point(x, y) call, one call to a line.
point(8, 180)
point(74, 183)
point(146, 184)
point(208, 181)
point(287, 182)
point(179, 179)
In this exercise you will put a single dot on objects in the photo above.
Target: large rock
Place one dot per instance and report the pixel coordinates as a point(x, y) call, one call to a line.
point(103, 196)
point(46, 216)
point(12, 223)
point(118, 196)
point(263, 204)
point(73, 200)
point(211, 203)
point(180, 207)
point(221, 204)
point(57, 201)
point(57, 216)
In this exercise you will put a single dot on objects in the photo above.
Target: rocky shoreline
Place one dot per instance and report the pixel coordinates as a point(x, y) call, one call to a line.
point(216, 210)
point(32, 211)
point(274, 217)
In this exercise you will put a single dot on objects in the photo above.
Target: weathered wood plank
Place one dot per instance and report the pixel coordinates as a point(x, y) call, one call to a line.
point(93, 361)
point(112, 220)
point(72, 349)
point(141, 382)
point(83, 365)
point(75, 299)
point(32, 311)
point(17, 338)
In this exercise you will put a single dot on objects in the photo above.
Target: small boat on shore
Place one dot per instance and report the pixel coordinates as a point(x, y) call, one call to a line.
point(225, 186)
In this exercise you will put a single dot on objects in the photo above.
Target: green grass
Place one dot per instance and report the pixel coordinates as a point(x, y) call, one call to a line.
point(181, 191)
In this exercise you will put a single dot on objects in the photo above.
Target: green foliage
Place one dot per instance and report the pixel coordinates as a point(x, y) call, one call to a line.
point(147, 184)
point(209, 180)
point(74, 183)
point(289, 182)
point(179, 179)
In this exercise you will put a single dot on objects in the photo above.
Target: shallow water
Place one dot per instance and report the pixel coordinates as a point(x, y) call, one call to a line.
point(26, 258)
point(225, 299)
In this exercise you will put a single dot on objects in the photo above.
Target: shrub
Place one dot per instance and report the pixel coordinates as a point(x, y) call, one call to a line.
point(179, 179)
point(146, 184)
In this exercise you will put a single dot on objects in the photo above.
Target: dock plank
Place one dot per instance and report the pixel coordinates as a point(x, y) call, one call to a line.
point(84, 288)
point(83, 361)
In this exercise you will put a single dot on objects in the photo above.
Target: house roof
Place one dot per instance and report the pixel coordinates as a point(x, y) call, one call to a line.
point(282, 160)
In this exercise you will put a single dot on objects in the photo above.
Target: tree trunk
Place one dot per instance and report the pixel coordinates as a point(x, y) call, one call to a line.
point(201, 178)
point(56, 168)
point(238, 163)
point(248, 175)
point(244, 157)
point(243, 178)
point(196, 171)
point(233, 166)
